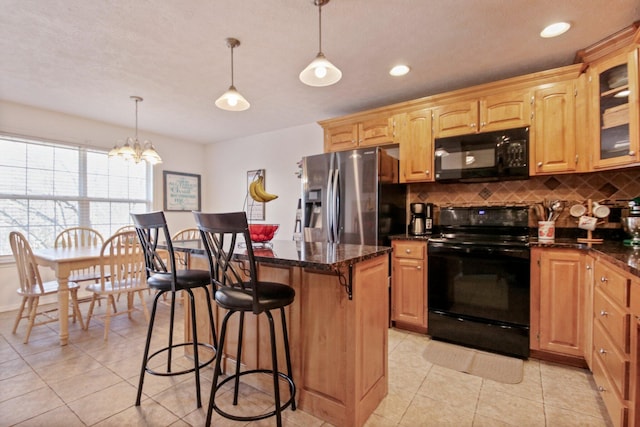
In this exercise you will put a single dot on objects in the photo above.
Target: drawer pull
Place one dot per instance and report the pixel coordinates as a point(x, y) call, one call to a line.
point(408, 251)
point(603, 279)
point(603, 313)
point(418, 267)
point(602, 351)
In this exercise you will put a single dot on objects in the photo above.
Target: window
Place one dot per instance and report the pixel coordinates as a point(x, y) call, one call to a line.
point(46, 187)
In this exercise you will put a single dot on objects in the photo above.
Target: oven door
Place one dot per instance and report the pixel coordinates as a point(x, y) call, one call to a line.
point(478, 295)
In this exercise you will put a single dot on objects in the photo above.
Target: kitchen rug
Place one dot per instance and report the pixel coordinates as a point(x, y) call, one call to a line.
point(475, 362)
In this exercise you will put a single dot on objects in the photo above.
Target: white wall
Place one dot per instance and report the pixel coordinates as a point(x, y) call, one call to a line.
point(277, 152)
point(177, 155)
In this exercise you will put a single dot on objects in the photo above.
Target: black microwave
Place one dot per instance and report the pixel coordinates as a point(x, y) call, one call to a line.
point(481, 157)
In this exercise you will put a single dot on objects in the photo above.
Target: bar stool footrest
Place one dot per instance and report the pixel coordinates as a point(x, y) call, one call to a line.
point(292, 391)
point(184, 371)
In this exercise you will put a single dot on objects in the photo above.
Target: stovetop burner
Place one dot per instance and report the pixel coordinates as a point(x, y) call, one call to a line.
point(484, 225)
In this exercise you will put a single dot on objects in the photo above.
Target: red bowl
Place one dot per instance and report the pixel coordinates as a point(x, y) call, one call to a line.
point(262, 233)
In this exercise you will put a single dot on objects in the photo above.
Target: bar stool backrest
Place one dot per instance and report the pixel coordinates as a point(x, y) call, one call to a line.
point(155, 240)
point(221, 234)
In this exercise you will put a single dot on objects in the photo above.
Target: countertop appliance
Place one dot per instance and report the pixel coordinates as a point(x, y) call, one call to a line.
point(478, 275)
point(353, 197)
point(480, 157)
point(421, 221)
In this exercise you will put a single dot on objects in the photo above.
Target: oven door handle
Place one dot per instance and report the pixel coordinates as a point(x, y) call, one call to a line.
point(452, 248)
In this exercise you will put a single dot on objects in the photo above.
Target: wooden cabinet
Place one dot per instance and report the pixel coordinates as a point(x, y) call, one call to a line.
point(553, 134)
point(414, 134)
point(634, 374)
point(503, 110)
point(366, 133)
point(409, 287)
point(614, 112)
point(612, 339)
point(557, 301)
point(588, 281)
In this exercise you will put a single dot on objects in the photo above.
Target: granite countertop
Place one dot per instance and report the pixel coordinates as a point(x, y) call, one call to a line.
point(317, 256)
point(614, 251)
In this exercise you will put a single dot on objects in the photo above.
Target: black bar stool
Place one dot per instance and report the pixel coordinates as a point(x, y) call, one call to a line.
point(156, 243)
point(238, 293)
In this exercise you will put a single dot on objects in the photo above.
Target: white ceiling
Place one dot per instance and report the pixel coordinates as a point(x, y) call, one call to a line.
point(86, 58)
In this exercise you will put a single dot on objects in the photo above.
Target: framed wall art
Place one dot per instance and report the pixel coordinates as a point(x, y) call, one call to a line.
point(181, 191)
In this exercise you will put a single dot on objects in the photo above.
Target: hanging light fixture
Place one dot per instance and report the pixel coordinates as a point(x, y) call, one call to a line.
point(231, 100)
point(320, 72)
point(133, 150)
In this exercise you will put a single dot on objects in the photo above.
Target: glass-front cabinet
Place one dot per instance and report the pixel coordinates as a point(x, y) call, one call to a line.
point(614, 110)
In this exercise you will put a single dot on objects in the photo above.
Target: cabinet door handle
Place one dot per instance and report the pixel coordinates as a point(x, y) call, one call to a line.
point(472, 125)
point(588, 267)
point(539, 164)
point(603, 313)
point(602, 351)
point(603, 279)
point(601, 389)
point(426, 172)
point(418, 267)
point(632, 153)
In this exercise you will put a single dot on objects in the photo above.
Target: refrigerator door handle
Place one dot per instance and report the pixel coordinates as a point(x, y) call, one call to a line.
point(336, 207)
point(328, 211)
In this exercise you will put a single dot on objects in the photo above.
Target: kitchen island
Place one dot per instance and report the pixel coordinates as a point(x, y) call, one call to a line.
point(338, 325)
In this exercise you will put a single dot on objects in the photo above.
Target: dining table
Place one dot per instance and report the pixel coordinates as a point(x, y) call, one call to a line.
point(63, 261)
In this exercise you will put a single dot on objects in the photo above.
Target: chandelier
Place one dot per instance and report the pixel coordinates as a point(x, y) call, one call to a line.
point(132, 150)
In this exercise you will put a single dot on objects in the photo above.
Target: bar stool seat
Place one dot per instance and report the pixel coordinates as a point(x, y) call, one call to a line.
point(153, 234)
point(237, 295)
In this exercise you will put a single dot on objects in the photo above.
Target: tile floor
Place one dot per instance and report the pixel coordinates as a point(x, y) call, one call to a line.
point(93, 383)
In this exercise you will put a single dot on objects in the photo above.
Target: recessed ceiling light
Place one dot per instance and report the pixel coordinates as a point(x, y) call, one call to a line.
point(399, 70)
point(555, 29)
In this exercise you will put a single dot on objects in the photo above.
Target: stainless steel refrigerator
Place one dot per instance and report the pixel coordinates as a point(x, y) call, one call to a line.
point(353, 197)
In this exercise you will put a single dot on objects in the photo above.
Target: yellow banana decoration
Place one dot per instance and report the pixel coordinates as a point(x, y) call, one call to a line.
point(253, 194)
point(260, 192)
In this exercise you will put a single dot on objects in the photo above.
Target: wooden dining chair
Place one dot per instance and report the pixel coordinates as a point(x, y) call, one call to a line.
point(122, 271)
point(81, 237)
point(184, 234)
point(32, 288)
point(128, 227)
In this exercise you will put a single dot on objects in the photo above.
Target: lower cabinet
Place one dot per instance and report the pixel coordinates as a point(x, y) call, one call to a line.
point(409, 285)
point(557, 302)
point(612, 337)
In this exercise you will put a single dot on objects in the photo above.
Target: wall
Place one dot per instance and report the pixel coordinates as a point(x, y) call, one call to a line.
point(177, 155)
point(278, 153)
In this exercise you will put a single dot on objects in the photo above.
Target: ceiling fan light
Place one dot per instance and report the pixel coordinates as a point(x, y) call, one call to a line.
point(232, 100)
point(321, 72)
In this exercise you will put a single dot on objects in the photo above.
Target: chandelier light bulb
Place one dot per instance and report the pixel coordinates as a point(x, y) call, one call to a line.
point(321, 72)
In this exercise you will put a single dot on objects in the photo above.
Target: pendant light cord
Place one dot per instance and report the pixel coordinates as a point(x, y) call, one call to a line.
point(320, 28)
point(231, 65)
point(136, 119)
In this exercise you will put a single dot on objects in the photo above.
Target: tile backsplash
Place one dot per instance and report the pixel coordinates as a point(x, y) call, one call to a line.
point(613, 188)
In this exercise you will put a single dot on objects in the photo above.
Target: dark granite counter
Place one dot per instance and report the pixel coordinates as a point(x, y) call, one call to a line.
point(317, 256)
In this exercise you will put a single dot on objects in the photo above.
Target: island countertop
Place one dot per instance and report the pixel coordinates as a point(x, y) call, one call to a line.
point(315, 255)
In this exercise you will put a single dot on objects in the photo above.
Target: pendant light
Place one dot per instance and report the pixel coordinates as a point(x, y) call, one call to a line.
point(320, 72)
point(132, 150)
point(231, 100)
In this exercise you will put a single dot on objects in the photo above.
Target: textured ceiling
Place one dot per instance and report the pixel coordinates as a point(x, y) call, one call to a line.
point(86, 58)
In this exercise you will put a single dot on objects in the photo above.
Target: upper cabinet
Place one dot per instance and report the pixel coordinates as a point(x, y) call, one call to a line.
point(613, 85)
point(553, 134)
point(366, 133)
point(504, 110)
point(414, 134)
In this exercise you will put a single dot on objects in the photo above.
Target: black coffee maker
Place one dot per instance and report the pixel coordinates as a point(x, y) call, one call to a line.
point(421, 221)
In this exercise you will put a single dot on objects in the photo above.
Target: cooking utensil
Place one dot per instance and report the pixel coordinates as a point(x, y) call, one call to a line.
point(555, 209)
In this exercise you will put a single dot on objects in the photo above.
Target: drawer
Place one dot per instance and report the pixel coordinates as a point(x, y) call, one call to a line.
point(635, 298)
point(613, 361)
point(615, 406)
point(613, 318)
point(408, 249)
point(612, 282)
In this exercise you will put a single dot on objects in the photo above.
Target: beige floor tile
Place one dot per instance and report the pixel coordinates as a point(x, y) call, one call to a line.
point(149, 413)
point(393, 407)
point(13, 367)
point(27, 406)
point(73, 388)
point(62, 416)
point(514, 410)
point(425, 411)
point(101, 405)
point(447, 385)
point(19, 385)
point(562, 417)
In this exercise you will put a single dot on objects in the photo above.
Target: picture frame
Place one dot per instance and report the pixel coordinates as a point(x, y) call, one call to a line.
point(255, 210)
point(182, 191)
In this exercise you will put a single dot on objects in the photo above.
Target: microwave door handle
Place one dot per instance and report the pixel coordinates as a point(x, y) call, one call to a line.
point(336, 207)
point(329, 208)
